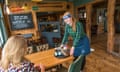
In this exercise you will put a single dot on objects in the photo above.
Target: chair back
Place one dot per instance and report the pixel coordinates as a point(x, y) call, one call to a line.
point(76, 65)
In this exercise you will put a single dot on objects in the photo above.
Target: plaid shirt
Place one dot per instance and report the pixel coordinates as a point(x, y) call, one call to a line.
point(75, 35)
point(24, 67)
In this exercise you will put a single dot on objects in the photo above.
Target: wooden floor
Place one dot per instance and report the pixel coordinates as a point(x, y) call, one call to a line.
point(100, 60)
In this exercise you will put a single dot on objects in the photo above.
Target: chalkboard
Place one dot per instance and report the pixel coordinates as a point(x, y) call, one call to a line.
point(21, 21)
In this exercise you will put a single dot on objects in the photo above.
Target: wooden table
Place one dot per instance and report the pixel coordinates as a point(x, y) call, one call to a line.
point(47, 58)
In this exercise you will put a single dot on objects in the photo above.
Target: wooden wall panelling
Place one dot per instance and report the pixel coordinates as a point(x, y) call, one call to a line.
point(12, 6)
point(26, 31)
point(96, 1)
point(93, 2)
point(42, 7)
point(110, 25)
point(51, 6)
point(70, 7)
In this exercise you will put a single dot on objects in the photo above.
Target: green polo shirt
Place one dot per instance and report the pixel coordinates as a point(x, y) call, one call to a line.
point(75, 35)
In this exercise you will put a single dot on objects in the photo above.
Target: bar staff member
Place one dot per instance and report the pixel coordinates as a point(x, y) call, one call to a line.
point(80, 44)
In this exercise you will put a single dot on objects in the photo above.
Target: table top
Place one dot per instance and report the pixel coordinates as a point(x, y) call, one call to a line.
point(47, 58)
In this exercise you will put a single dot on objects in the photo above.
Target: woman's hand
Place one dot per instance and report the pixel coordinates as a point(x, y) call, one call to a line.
point(61, 45)
point(40, 67)
point(72, 51)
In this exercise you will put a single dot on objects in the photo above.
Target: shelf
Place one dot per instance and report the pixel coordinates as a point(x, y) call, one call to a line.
point(49, 26)
point(20, 12)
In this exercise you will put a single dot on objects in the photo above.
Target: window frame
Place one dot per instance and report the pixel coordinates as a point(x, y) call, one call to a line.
point(3, 36)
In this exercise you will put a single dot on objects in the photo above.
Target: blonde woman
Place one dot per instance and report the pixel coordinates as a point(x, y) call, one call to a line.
point(75, 29)
point(12, 59)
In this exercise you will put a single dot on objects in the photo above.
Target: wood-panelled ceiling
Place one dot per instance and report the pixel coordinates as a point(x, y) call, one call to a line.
point(100, 4)
point(118, 2)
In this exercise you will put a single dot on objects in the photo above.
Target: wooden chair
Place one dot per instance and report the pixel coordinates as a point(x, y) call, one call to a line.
point(29, 50)
point(43, 47)
point(76, 65)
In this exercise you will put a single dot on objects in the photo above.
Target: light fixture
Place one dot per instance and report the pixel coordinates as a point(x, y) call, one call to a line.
point(7, 10)
point(6, 7)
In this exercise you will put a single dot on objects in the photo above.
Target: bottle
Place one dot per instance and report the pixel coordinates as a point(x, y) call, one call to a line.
point(25, 7)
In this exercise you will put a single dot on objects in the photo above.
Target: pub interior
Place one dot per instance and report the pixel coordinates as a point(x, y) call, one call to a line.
point(41, 23)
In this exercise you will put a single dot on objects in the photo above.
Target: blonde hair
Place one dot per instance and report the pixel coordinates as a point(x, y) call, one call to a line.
point(73, 20)
point(13, 51)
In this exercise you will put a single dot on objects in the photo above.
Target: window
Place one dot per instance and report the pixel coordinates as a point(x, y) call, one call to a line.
point(3, 34)
point(1, 38)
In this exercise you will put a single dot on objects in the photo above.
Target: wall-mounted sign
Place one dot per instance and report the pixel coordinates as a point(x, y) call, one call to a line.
point(21, 21)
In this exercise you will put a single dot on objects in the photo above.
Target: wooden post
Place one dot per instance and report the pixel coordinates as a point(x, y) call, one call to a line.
point(36, 25)
point(88, 20)
point(110, 25)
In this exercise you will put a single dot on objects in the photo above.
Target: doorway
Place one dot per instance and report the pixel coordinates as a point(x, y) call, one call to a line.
point(99, 25)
